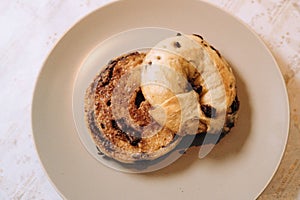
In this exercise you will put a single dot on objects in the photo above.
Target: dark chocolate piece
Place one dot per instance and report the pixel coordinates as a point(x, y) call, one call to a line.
point(208, 111)
point(177, 44)
point(199, 36)
point(102, 126)
point(213, 48)
point(139, 98)
point(235, 105)
point(198, 89)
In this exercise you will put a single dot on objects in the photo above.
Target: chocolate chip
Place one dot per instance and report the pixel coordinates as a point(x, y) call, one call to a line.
point(197, 89)
point(213, 48)
point(209, 111)
point(177, 44)
point(108, 103)
point(112, 62)
point(235, 105)
point(178, 34)
point(135, 141)
point(199, 36)
point(107, 74)
point(139, 98)
point(102, 126)
point(114, 124)
point(150, 63)
point(230, 124)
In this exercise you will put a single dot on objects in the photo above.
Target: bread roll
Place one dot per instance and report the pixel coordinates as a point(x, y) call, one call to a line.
point(187, 75)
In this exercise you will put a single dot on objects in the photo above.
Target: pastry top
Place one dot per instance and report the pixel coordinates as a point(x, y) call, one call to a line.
point(187, 75)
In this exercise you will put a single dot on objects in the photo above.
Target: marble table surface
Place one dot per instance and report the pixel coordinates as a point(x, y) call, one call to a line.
point(31, 28)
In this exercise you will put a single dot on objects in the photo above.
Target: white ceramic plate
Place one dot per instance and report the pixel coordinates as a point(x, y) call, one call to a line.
point(239, 167)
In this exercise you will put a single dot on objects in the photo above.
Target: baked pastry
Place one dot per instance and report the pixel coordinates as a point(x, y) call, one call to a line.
point(134, 136)
point(143, 103)
point(192, 83)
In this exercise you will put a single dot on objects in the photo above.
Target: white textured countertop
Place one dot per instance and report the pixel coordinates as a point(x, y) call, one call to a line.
point(30, 29)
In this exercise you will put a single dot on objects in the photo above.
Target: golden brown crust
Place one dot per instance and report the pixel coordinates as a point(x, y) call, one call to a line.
point(115, 137)
point(229, 82)
point(179, 64)
point(223, 68)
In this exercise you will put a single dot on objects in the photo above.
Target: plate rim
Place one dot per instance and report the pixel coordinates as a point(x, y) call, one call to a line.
point(107, 4)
